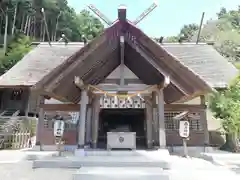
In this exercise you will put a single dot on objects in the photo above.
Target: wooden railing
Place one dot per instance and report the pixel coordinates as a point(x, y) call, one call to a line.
point(15, 140)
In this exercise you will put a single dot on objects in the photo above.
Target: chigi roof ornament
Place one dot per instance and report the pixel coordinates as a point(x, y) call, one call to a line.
point(122, 11)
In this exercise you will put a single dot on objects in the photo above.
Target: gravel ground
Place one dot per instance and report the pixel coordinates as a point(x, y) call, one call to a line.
point(24, 171)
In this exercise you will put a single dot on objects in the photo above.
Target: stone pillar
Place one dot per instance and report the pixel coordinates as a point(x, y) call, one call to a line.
point(155, 119)
point(89, 124)
point(95, 120)
point(149, 117)
point(161, 119)
point(82, 119)
point(203, 119)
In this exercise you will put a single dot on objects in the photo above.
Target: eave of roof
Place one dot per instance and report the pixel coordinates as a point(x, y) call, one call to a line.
point(82, 64)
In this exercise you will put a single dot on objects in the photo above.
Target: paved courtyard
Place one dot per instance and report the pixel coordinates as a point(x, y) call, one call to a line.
point(12, 166)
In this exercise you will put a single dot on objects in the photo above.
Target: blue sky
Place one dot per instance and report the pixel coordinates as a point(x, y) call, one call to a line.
point(167, 18)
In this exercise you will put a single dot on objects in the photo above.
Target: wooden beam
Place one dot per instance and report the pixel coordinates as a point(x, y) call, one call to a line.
point(122, 60)
point(60, 107)
point(191, 79)
point(172, 94)
point(95, 120)
point(127, 81)
point(203, 119)
point(139, 87)
point(149, 122)
point(184, 107)
point(57, 97)
point(155, 118)
point(161, 119)
point(156, 66)
point(94, 45)
point(109, 63)
point(83, 117)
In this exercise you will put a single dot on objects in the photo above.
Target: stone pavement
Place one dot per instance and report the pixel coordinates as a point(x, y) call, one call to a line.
point(18, 168)
point(225, 159)
point(10, 156)
point(23, 171)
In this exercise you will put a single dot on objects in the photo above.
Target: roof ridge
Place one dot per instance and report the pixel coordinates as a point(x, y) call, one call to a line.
point(186, 43)
point(56, 43)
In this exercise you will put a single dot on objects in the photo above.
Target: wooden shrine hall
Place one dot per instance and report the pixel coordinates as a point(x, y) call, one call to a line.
point(121, 78)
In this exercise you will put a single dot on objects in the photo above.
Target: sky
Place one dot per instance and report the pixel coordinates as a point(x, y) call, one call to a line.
point(167, 19)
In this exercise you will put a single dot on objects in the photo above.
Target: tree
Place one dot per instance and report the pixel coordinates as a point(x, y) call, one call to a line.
point(225, 32)
point(27, 16)
point(19, 46)
point(226, 106)
point(22, 21)
point(188, 31)
point(222, 12)
point(185, 35)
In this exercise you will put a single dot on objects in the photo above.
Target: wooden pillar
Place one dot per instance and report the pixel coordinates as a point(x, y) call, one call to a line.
point(40, 122)
point(28, 99)
point(82, 119)
point(95, 120)
point(155, 119)
point(149, 119)
point(203, 119)
point(89, 124)
point(161, 119)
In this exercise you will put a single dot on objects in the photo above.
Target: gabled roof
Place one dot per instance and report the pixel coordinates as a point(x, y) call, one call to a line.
point(55, 67)
point(149, 61)
point(35, 65)
point(205, 61)
point(38, 63)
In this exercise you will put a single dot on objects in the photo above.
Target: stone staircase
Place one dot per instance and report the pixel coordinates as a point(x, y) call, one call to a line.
point(135, 165)
point(102, 159)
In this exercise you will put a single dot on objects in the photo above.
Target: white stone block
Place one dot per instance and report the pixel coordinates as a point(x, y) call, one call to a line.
point(79, 152)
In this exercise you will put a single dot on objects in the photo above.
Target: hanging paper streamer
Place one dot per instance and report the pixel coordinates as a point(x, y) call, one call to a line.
point(123, 96)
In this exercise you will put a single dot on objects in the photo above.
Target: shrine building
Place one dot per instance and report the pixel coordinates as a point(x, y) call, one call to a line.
point(121, 78)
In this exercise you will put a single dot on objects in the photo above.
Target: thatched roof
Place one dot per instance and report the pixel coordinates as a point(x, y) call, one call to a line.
point(203, 59)
point(38, 63)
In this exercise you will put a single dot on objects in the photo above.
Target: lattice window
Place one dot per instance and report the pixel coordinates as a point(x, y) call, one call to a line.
point(195, 124)
point(46, 123)
point(170, 123)
point(69, 126)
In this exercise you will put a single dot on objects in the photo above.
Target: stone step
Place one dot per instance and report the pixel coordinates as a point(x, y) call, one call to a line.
point(121, 153)
point(111, 173)
point(144, 173)
point(99, 162)
point(110, 153)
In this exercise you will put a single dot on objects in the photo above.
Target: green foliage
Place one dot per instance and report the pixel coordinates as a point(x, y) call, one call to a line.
point(16, 50)
point(225, 32)
point(226, 106)
point(188, 31)
point(30, 21)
